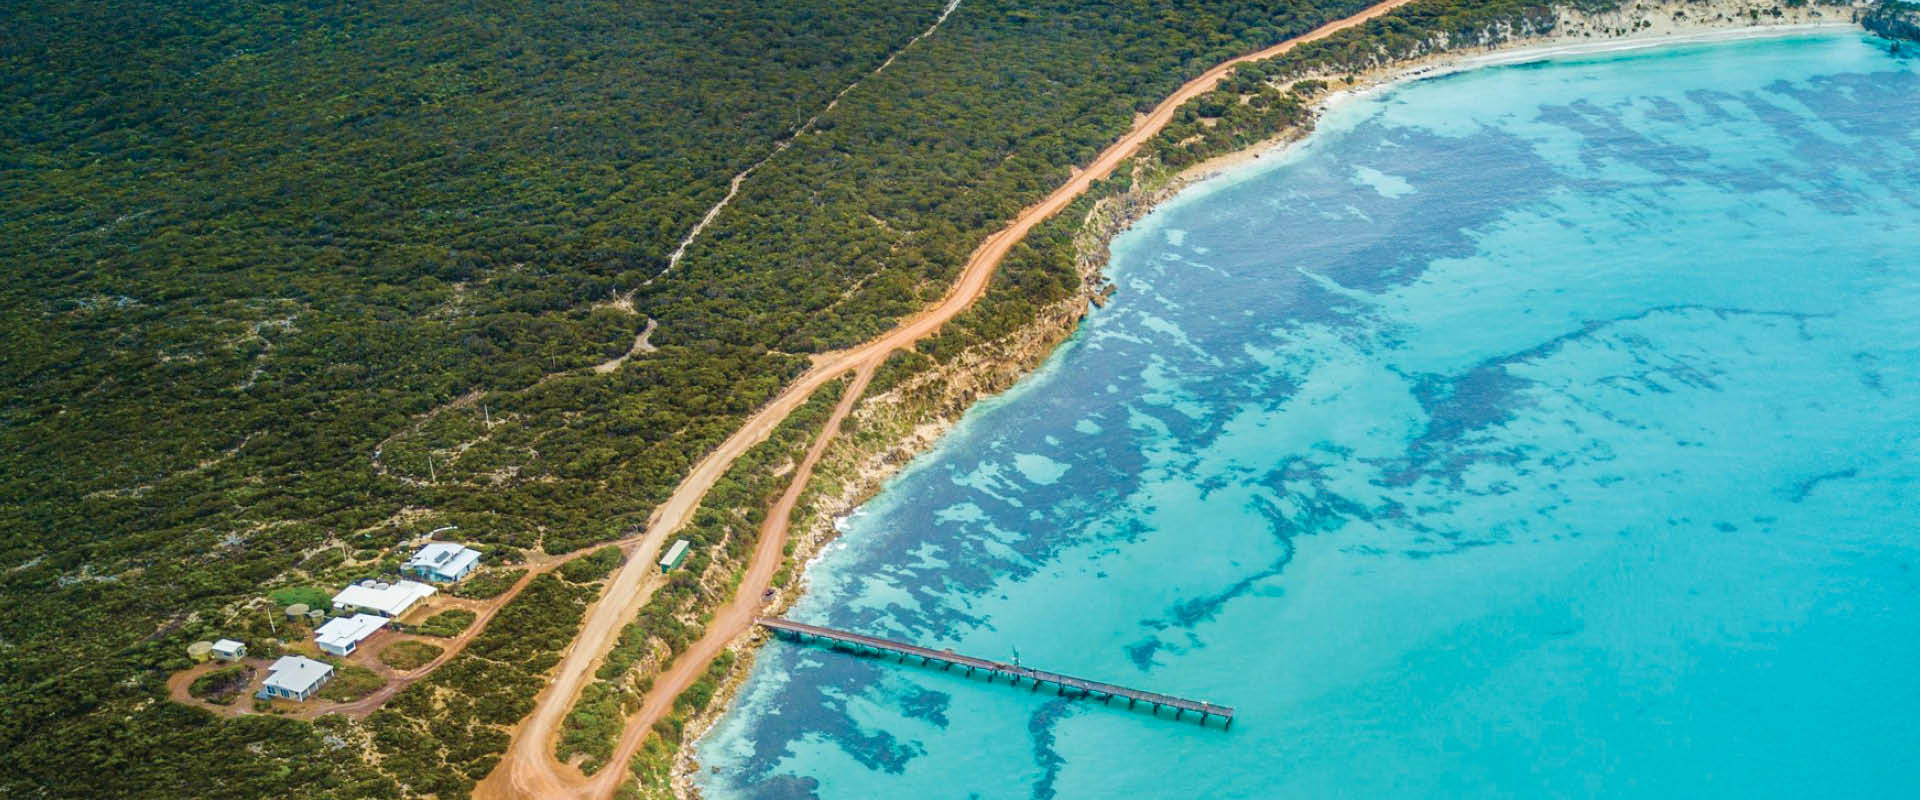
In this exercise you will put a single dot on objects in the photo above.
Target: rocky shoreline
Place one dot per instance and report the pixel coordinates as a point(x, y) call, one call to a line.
point(1894, 20)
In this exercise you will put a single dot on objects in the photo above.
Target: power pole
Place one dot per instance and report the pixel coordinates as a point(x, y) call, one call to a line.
point(271, 625)
point(435, 476)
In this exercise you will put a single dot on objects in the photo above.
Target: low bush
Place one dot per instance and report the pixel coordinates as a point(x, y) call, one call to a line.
point(443, 733)
point(409, 654)
point(448, 623)
point(324, 560)
point(592, 566)
point(488, 584)
point(350, 682)
point(311, 596)
point(223, 685)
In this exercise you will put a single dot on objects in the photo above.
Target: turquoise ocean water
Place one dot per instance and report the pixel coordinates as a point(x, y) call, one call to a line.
point(1543, 430)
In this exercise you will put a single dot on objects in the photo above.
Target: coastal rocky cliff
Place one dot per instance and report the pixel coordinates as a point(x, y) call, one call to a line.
point(1894, 20)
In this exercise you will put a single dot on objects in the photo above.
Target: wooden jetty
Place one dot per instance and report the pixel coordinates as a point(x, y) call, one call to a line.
point(947, 659)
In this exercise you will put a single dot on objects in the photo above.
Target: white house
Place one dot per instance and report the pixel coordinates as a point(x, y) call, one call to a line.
point(229, 650)
point(295, 678)
point(343, 635)
point(387, 600)
point(443, 561)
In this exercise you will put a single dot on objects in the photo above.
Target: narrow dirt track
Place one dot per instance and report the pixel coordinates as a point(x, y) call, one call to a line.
point(529, 768)
point(737, 616)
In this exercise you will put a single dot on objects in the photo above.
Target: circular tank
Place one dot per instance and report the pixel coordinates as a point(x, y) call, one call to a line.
point(199, 651)
point(297, 610)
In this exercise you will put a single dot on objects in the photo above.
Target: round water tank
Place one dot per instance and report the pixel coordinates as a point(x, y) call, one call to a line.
point(199, 651)
point(297, 610)
point(382, 586)
point(369, 583)
point(317, 616)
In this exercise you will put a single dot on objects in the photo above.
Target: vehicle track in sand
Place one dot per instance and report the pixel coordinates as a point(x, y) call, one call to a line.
point(529, 768)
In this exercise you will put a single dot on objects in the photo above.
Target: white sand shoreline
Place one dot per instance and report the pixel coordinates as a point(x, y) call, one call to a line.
point(1521, 51)
point(1542, 52)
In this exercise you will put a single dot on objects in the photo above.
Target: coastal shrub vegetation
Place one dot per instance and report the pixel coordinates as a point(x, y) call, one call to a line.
point(449, 623)
point(254, 241)
point(486, 584)
point(222, 685)
point(444, 732)
point(593, 566)
point(409, 654)
point(351, 682)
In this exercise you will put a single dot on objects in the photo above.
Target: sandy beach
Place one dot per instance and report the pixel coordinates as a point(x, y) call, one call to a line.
point(1519, 52)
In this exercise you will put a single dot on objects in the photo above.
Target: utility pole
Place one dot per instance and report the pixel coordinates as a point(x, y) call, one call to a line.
point(488, 413)
point(271, 625)
point(435, 476)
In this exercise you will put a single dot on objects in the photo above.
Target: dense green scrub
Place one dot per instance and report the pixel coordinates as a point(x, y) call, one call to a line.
point(449, 623)
point(486, 584)
point(870, 216)
point(222, 685)
point(291, 281)
point(350, 682)
point(443, 733)
point(250, 246)
point(592, 566)
point(408, 655)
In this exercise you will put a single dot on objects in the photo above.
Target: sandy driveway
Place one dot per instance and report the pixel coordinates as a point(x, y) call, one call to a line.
point(529, 768)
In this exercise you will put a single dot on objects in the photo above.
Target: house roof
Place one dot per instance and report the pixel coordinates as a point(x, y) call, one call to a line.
point(297, 674)
point(228, 646)
point(444, 557)
point(343, 632)
point(391, 601)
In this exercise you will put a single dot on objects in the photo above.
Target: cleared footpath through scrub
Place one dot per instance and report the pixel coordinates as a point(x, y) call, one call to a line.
point(529, 768)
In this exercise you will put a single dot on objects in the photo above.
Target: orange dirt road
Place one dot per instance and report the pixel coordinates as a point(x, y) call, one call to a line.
point(529, 769)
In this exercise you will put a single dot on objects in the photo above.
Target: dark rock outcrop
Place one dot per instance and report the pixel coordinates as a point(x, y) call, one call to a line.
point(1894, 20)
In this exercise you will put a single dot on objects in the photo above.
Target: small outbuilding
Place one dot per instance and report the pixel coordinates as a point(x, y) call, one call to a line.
point(387, 600)
point(343, 635)
point(295, 678)
point(445, 562)
point(675, 554)
point(229, 650)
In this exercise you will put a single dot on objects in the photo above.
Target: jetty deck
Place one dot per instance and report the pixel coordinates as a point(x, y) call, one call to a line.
point(1013, 672)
